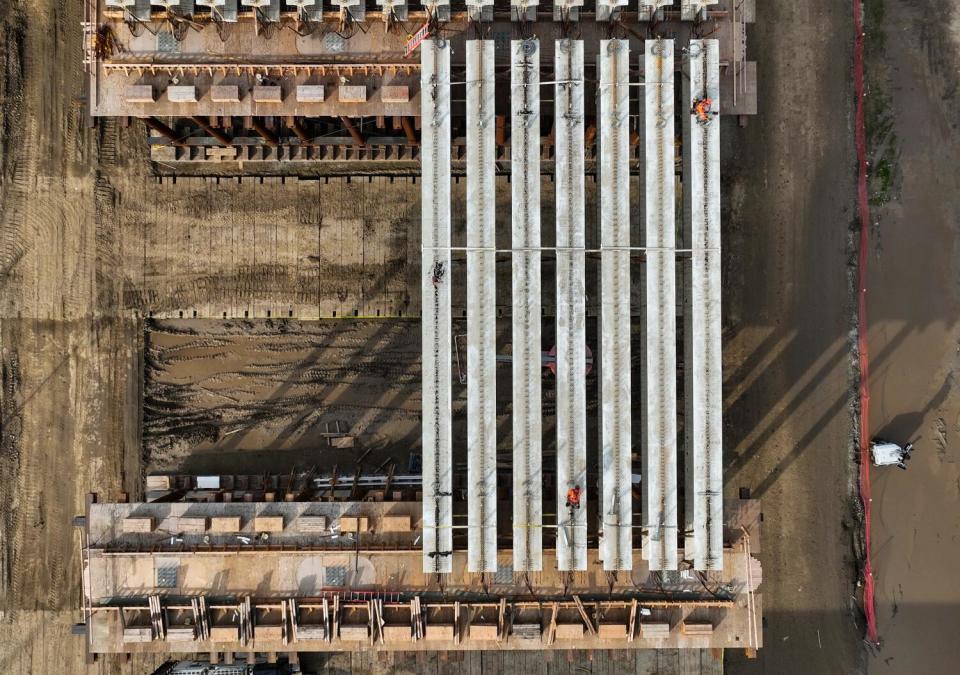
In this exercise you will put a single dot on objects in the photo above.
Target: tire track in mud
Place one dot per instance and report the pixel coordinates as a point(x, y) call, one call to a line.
point(204, 387)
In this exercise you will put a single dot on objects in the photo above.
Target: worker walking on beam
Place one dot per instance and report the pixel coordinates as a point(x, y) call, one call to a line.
point(703, 109)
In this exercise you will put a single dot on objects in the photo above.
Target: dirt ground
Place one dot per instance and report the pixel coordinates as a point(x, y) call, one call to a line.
point(80, 214)
point(913, 307)
point(259, 396)
point(788, 316)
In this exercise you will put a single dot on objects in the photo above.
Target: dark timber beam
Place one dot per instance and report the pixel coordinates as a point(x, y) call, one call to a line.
point(268, 136)
point(358, 138)
point(210, 131)
point(299, 130)
point(163, 130)
point(408, 129)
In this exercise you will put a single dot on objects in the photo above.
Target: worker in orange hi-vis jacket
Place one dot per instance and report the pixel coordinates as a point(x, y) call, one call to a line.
point(703, 108)
point(573, 497)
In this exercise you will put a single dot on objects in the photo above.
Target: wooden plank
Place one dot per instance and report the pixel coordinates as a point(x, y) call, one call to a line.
point(552, 628)
point(696, 628)
point(668, 662)
point(711, 661)
point(439, 632)
point(526, 631)
point(654, 630)
point(689, 661)
point(456, 622)
point(612, 631)
point(191, 525)
point(355, 633)
point(354, 524)
point(501, 620)
point(312, 524)
point(568, 631)
point(137, 525)
point(477, 631)
point(158, 483)
point(395, 524)
point(138, 634)
point(225, 524)
point(397, 634)
point(584, 615)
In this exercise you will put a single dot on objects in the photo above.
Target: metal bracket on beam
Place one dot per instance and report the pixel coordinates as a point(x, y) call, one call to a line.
point(480, 10)
point(270, 9)
point(356, 9)
point(523, 10)
point(225, 9)
point(652, 9)
point(567, 10)
point(398, 8)
point(311, 9)
point(608, 10)
point(439, 9)
point(691, 10)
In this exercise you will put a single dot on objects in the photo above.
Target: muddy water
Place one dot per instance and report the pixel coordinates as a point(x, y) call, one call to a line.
point(914, 331)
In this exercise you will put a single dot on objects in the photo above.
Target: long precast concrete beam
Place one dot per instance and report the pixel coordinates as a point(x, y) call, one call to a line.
point(481, 311)
point(703, 514)
point(659, 404)
point(649, 9)
point(691, 10)
point(616, 503)
point(571, 310)
point(435, 314)
point(527, 423)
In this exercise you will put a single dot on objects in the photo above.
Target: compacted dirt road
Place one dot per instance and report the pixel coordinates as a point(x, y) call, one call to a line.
point(913, 293)
point(789, 316)
point(69, 405)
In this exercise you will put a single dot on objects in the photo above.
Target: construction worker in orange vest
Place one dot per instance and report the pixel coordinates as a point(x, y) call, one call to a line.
point(703, 108)
point(573, 497)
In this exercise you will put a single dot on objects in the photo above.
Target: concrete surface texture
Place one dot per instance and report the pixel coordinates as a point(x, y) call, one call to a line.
point(913, 297)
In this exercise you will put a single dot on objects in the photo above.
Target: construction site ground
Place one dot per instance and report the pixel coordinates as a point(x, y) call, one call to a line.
point(269, 395)
point(913, 304)
point(73, 319)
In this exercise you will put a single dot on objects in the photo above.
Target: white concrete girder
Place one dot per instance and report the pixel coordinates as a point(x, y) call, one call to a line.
point(435, 313)
point(690, 10)
point(659, 400)
point(481, 310)
point(523, 10)
point(399, 8)
point(616, 516)
point(647, 9)
point(703, 362)
point(609, 9)
point(527, 378)
point(567, 10)
point(571, 306)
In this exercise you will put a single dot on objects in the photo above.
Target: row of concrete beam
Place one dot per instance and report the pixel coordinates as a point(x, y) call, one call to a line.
point(521, 10)
point(658, 391)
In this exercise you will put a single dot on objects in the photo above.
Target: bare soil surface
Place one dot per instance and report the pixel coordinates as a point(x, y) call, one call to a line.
point(89, 242)
point(914, 329)
point(789, 201)
point(264, 395)
point(261, 396)
point(69, 407)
